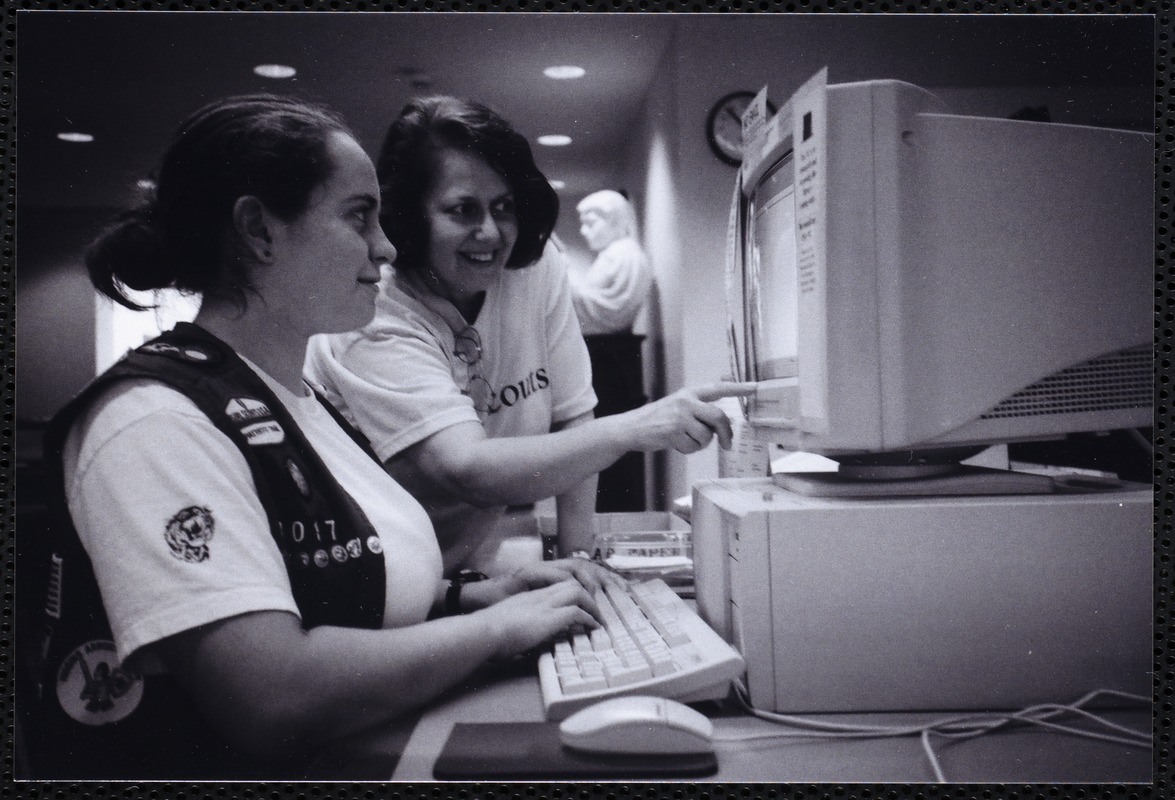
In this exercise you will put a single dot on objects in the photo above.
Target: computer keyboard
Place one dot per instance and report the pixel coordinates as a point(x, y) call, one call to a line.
point(651, 643)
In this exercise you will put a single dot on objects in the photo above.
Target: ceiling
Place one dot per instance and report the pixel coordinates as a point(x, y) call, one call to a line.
point(129, 78)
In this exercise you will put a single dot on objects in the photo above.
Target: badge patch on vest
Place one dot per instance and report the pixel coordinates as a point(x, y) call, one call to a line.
point(298, 477)
point(268, 432)
point(188, 534)
point(190, 352)
point(246, 409)
point(93, 689)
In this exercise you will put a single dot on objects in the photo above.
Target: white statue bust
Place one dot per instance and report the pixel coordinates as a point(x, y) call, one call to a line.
point(608, 295)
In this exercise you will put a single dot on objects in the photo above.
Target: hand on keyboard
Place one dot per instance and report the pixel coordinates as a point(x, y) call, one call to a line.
point(589, 574)
point(651, 642)
point(527, 619)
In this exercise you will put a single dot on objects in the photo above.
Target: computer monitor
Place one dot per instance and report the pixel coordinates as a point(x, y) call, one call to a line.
point(911, 284)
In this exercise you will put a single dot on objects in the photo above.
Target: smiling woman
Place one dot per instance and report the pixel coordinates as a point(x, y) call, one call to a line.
point(235, 580)
point(469, 430)
point(472, 229)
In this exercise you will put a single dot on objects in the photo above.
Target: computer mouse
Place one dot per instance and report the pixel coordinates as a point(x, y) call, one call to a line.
point(638, 724)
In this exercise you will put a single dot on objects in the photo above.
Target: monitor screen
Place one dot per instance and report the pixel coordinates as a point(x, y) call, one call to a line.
point(772, 293)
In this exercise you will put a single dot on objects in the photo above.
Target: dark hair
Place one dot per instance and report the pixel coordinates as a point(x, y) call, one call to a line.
point(271, 147)
point(409, 162)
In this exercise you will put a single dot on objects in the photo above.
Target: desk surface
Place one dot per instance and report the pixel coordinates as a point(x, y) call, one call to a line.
point(1019, 755)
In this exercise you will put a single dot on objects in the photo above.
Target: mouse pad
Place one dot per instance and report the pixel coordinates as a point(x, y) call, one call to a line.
point(532, 751)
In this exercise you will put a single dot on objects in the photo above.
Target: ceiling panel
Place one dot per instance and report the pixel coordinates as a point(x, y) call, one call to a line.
point(129, 78)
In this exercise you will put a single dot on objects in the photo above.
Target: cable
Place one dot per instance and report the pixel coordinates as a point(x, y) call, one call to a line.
point(959, 727)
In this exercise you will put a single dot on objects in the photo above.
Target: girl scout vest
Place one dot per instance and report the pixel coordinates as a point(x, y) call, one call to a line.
point(95, 719)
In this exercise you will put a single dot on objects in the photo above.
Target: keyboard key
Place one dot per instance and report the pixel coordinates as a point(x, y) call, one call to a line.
point(581, 644)
point(621, 675)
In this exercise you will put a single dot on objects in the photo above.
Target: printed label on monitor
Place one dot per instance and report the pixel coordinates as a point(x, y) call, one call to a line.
point(810, 141)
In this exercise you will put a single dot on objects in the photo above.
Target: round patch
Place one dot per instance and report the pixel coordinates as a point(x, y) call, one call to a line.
point(374, 544)
point(188, 534)
point(354, 548)
point(93, 689)
point(305, 557)
point(321, 559)
point(339, 553)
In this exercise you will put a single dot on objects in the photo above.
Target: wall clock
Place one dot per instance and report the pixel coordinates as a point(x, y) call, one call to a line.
point(724, 126)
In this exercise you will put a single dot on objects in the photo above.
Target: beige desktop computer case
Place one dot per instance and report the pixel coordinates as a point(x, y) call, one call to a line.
point(926, 603)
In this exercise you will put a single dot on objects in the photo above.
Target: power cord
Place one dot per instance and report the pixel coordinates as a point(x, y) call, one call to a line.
point(957, 727)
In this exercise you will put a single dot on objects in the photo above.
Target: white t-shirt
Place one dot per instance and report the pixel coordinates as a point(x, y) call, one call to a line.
point(610, 293)
point(400, 381)
point(143, 453)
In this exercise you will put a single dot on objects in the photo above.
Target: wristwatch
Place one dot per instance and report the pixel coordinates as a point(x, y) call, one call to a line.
point(453, 593)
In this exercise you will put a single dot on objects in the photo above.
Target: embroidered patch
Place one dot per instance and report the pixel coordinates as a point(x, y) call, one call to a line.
point(193, 353)
point(298, 477)
point(188, 534)
point(354, 548)
point(321, 559)
point(338, 553)
point(246, 409)
point(268, 432)
point(375, 545)
point(93, 689)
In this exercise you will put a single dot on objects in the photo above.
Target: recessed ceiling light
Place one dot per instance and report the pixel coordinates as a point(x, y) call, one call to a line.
point(557, 184)
point(554, 140)
point(275, 71)
point(564, 72)
point(74, 136)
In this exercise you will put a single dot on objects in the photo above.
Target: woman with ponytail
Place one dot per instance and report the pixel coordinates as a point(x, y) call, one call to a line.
point(236, 581)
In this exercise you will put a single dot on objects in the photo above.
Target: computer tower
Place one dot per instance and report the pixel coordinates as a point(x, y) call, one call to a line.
point(906, 604)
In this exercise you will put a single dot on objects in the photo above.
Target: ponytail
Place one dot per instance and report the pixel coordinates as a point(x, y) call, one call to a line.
point(130, 253)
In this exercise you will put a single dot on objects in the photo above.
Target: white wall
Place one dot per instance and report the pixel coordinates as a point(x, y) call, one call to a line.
point(652, 168)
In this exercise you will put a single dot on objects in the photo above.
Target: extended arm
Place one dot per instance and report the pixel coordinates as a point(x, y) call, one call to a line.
point(462, 462)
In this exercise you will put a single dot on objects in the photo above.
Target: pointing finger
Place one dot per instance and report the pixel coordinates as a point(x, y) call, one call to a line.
point(716, 391)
